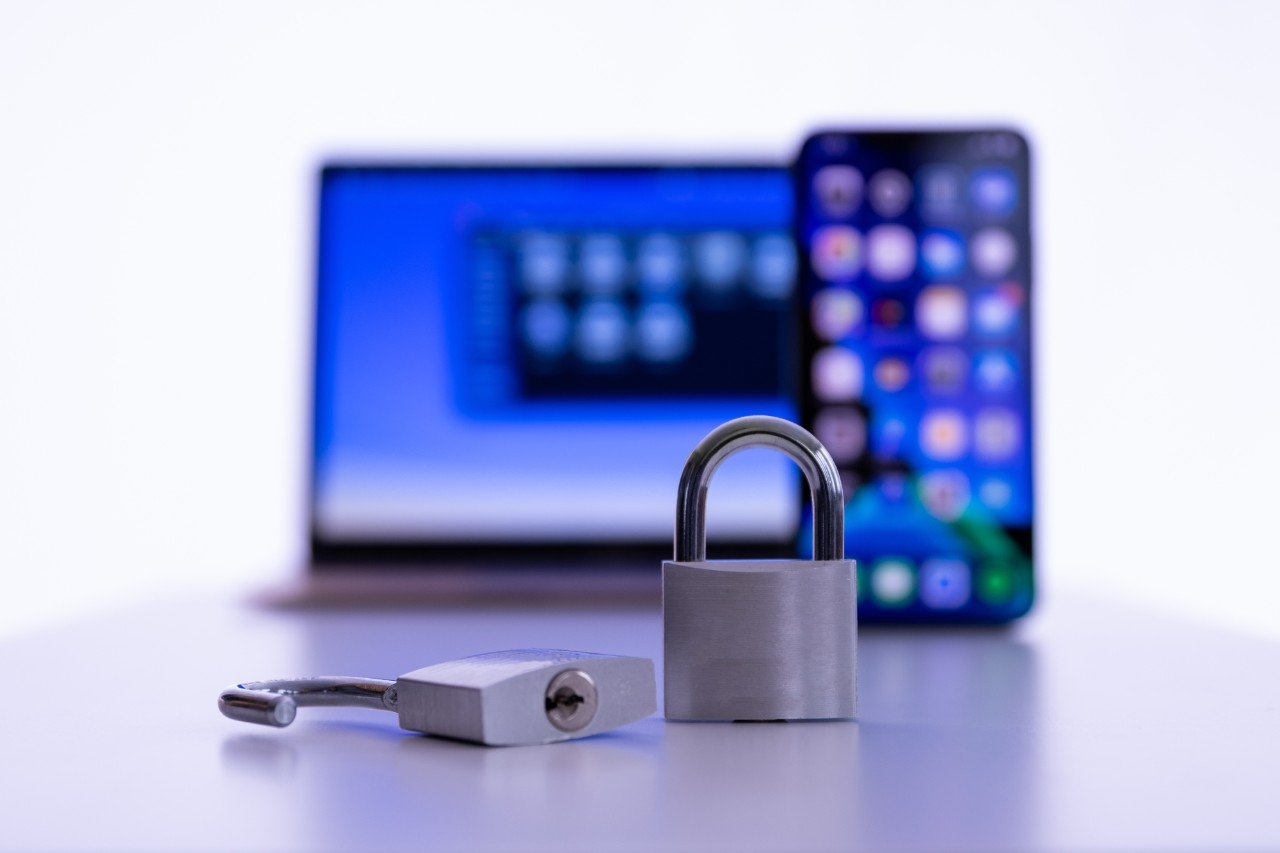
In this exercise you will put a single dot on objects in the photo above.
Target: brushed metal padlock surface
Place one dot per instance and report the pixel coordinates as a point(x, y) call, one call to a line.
point(509, 698)
point(517, 697)
point(759, 639)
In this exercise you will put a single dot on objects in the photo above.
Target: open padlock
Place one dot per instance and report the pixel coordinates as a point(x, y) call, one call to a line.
point(763, 639)
point(511, 698)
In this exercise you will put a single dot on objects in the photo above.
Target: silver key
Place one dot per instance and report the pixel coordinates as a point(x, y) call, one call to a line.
point(512, 698)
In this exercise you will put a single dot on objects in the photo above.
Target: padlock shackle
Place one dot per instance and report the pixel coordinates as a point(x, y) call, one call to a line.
point(275, 702)
point(760, 431)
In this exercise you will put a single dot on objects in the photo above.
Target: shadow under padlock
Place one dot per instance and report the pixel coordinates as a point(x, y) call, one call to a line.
point(759, 640)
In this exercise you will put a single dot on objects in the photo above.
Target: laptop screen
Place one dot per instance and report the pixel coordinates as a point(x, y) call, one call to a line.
point(520, 359)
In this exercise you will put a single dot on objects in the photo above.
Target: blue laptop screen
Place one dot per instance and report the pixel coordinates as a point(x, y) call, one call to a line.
point(512, 355)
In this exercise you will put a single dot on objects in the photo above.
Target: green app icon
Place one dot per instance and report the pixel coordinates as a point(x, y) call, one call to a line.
point(997, 583)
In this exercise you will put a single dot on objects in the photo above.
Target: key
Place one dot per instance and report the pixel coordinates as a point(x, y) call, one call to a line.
point(511, 698)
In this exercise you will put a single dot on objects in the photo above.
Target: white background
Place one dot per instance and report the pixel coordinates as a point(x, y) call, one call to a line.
point(155, 177)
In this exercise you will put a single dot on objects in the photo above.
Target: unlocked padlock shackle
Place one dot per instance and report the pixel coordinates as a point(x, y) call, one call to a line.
point(760, 431)
point(275, 702)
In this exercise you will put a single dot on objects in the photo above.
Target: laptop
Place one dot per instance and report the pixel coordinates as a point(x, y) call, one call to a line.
point(512, 362)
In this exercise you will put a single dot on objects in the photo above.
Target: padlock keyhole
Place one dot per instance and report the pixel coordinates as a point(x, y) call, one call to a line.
point(571, 700)
point(564, 698)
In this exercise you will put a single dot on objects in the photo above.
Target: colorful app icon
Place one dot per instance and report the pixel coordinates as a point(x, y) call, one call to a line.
point(890, 193)
point(945, 370)
point(891, 374)
point(888, 313)
point(545, 327)
point(997, 583)
point(664, 332)
point(942, 312)
point(835, 313)
point(993, 190)
point(603, 332)
point(993, 252)
point(940, 192)
point(997, 434)
point(773, 267)
point(944, 583)
point(941, 254)
point(838, 190)
point(660, 265)
point(602, 265)
point(995, 493)
point(544, 264)
point(995, 372)
point(836, 375)
point(997, 310)
point(893, 581)
point(836, 252)
point(843, 431)
point(944, 434)
point(945, 493)
point(891, 252)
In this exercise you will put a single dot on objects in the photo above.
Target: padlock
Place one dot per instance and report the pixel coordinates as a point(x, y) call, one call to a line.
point(760, 639)
point(523, 696)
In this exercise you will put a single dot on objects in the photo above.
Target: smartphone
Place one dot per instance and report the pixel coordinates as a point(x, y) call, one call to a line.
point(914, 303)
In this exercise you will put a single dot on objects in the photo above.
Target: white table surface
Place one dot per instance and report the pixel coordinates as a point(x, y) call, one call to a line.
point(1088, 726)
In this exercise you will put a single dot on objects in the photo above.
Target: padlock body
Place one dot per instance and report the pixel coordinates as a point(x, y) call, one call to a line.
point(759, 640)
point(499, 698)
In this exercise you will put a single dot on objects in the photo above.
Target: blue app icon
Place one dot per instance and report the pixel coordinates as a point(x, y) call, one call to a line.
point(995, 371)
point(944, 583)
point(602, 333)
point(997, 309)
point(544, 265)
point(993, 190)
point(660, 265)
point(889, 433)
point(545, 327)
point(602, 265)
point(941, 253)
point(663, 332)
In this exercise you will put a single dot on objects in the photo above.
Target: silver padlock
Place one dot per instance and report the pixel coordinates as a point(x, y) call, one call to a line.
point(765, 639)
point(512, 698)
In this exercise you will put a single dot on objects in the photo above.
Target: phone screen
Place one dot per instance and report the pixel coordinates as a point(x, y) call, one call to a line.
point(915, 258)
